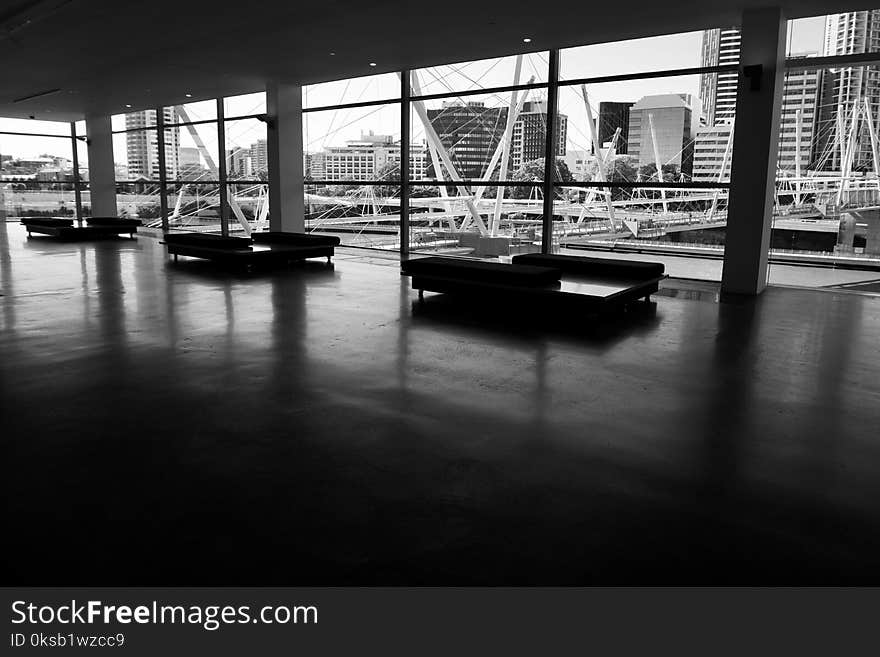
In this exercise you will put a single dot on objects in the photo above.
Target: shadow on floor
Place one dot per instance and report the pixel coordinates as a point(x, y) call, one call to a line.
point(225, 271)
point(530, 322)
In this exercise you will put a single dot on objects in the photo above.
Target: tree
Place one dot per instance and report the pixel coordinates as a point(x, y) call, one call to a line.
point(533, 171)
point(671, 172)
point(389, 172)
point(621, 168)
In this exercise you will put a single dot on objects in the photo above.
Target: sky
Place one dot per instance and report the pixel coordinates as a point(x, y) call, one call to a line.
point(335, 127)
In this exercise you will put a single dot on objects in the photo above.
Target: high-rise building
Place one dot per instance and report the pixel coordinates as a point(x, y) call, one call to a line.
point(710, 145)
point(718, 90)
point(611, 117)
point(666, 118)
point(260, 157)
point(239, 163)
point(529, 138)
point(799, 101)
point(142, 146)
point(470, 133)
point(844, 89)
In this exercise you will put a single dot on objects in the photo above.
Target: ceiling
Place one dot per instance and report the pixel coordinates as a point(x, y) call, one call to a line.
point(97, 56)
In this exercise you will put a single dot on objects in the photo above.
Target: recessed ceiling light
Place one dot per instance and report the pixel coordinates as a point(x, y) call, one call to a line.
point(189, 95)
point(372, 63)
point(332, 53)
point(527, 40)
point(128, 105)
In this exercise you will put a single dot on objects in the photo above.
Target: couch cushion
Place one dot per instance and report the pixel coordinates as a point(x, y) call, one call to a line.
point(208, 241)
point(601, 267)
point(482, 272)
point(47, 221)
point(113, 221)
point(295, 239)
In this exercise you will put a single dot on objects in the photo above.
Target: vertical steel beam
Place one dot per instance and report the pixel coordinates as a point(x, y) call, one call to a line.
point(221, 170)
point(550, 151)
point(77, 193)
point(163, 173)
point(405, 87)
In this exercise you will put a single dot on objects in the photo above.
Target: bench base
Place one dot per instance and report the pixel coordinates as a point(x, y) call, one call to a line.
point(81, 232)
point(258, 255)
point(592, 296)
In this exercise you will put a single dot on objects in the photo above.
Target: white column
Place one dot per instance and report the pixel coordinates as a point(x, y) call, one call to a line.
point(755, 146)
point(102, 172)
point(285, 153)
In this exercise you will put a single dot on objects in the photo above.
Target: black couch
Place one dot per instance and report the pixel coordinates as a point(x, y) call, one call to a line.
point(96, 227)
point(591, 285)
point(265, 248)
point(598, 267)
point(113, 221)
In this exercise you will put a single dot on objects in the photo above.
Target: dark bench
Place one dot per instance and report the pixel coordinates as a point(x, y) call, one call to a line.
point(598, 267)
point(262, 249)
point(438, 274)
point(586, 285)
point(96, 227)
point(114, 221)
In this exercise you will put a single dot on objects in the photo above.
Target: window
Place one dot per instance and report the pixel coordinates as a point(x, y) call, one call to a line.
point(38, 177)
point(195, 187)
point(648, 153)
point(351, 160)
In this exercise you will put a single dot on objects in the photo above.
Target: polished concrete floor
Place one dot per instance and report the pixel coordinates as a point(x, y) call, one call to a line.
point(172, 424)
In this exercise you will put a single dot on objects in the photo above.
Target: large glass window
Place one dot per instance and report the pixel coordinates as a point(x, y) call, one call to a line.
point(466, 77)
point(657, 53)
point(367, 89)
point(478, 137)
point(193, 182)
point(37, 174)
point(648, 155)
point(353, 144)
point(351, 160)
point(244, 105)
point(827, 183)
point(847, 33)
point(826, 226)
point(136, 160)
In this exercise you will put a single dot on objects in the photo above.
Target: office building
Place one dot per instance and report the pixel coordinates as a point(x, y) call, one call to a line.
point(612, 116)
point(720, 47)
point(530, 134)
point(799, 104)
point(366, 158)
point(710, 145)
point(240, 163)
point(666, 119)
point(470, 132)
point(142, 146)
point(418, 160)
point(259, 154)
point(718, 93)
